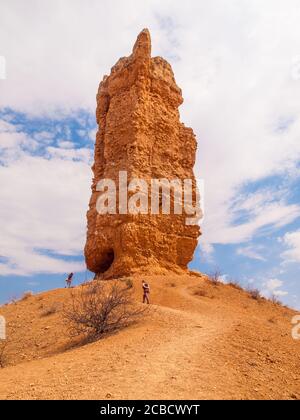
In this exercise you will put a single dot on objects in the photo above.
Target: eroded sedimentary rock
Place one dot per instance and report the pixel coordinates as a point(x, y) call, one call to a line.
point(140, 132)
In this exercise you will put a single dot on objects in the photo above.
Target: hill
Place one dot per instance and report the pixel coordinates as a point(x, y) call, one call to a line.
point(198, 341)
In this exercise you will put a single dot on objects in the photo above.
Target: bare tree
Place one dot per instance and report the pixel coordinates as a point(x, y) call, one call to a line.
point(274, 299)
point(215, 276)
point(100, 308)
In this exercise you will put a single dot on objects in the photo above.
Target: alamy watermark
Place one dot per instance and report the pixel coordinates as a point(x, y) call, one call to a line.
point(155, 196)
point(296, 328)
point(2, 68)
point(295, 70)
point(2, 328)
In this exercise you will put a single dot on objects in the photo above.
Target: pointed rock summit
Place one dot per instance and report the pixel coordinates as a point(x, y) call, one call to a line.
point(142, 46)
point(140, 135)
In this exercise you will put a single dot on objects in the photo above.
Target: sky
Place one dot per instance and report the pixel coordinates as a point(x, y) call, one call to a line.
point(238, 64)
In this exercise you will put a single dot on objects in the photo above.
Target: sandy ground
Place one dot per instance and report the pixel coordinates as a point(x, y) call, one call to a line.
point(198, 341)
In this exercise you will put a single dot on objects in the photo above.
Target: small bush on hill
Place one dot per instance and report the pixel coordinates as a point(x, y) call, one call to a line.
point(200, 292)
point(235, 284)
point(51, 309)
point(215, 277)
point(26, 295)
point(128, 282)
point(254, 294)
point(100, 308)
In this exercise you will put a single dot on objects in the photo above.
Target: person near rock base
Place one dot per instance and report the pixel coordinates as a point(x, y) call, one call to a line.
point(69, 280)
point(146, 292)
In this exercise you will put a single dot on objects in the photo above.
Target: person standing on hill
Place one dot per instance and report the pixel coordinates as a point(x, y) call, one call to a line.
point(146, 292)
point(69, 280)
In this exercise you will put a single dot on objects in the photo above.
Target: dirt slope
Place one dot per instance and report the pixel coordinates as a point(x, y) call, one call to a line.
point(198, 341)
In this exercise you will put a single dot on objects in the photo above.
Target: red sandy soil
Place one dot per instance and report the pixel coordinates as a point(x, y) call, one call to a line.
point(198, 341)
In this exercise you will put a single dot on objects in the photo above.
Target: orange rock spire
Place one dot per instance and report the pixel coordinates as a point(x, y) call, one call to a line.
point(140, 132)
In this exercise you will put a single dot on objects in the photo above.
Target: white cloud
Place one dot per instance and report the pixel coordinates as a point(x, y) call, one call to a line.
point(292, 241)
point(44, 136)
point(272, 288)
point(9, 140)
point(280, 293)
point(13, 142)
point(263, 214)
point(251, 252)
point(274, 284)
point(43, 207)
point(6, 127)
point(66, 144)
point(66, 49)
point(224, 278)
point(92, 135)
point(82, 154)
